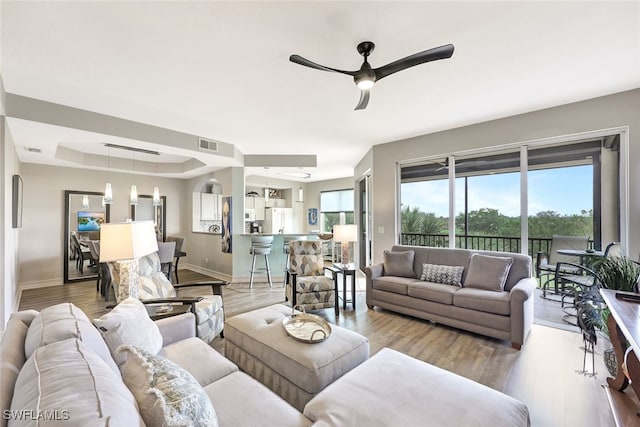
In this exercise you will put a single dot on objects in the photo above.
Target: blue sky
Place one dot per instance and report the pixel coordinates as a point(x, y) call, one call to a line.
point(566, 190)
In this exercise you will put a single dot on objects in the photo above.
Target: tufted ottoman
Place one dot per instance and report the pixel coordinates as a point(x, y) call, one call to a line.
point(257, 342)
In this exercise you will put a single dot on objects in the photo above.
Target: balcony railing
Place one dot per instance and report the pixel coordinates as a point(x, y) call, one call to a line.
point(485, 243)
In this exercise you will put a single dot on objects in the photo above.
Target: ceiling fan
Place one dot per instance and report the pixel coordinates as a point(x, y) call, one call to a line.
point(366, 76)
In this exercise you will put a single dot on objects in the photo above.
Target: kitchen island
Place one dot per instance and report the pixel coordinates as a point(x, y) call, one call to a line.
point(277, 258)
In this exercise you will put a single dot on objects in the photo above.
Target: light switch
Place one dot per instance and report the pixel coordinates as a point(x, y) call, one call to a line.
point(380, 230)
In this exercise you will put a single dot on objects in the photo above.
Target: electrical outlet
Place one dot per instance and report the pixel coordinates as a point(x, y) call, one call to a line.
point(206, 260)
point(380, 230)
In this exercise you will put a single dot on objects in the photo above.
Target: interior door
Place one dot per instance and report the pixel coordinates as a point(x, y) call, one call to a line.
point(364, 207)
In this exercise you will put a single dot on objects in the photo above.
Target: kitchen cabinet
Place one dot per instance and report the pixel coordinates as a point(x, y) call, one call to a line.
point(257, 204)
point(210, 207)
point(276, 203)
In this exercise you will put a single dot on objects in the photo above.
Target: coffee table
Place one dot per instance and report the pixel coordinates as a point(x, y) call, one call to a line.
point(346, 270)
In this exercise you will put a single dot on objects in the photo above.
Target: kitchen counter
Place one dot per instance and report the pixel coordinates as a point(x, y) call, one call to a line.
point(280, 234)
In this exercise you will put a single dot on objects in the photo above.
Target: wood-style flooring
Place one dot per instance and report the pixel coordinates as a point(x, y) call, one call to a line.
point(543, 374)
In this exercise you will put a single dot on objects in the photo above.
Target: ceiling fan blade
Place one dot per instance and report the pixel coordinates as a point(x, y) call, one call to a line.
point(303, 61)
point(442, 52)
point(364, 100)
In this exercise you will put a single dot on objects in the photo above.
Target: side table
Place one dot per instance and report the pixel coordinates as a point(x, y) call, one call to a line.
point(177, 310)
point(347, 270)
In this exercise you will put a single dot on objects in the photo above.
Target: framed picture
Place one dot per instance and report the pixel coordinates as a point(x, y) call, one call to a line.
point(226, 224)
point(313, 216)
point(16, 202)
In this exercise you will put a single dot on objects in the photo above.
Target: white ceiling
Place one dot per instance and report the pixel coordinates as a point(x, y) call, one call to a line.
point(220, 69)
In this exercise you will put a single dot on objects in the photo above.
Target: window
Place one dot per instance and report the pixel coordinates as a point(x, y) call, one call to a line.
point(570, 189)
point(336, 207)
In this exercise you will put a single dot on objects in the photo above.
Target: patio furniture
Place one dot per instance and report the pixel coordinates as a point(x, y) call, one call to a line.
point(546, 263)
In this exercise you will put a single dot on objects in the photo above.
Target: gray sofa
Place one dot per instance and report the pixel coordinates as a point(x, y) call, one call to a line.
point(57, 367)
point(504, 311)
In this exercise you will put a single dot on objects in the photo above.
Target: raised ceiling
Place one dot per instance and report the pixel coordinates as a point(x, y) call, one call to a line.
point(220, 70)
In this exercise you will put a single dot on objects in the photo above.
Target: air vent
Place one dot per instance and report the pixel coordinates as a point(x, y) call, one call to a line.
point(33, 150)
point(208, 145)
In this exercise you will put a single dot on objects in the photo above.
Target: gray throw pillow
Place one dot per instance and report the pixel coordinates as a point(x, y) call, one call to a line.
point(447, 274)
point(399, 263)
point(488, 272)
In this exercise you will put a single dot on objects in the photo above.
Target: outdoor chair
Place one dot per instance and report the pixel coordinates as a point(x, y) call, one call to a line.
point(153, 287)
point(306, 283)
point(546, 264)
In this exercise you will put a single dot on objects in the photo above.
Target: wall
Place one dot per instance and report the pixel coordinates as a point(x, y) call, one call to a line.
point(41, 236)
point(9, 237)
point(622, 109)
point(312, 196)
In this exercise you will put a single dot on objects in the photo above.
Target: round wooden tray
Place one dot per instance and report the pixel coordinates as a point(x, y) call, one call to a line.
point(307, 328)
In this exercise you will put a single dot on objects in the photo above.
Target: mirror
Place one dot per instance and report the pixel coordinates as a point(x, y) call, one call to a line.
point(145, 211)
point(83, 215)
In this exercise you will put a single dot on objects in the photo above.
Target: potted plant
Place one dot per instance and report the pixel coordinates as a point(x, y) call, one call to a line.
point(617, 273)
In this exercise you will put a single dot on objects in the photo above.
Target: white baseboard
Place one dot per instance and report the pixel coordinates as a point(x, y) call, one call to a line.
point(205, 271)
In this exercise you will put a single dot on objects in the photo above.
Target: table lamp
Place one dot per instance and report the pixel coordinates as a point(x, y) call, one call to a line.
point(345, 234)
point(123, 244)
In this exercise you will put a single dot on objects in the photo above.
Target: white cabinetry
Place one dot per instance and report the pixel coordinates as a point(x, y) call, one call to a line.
point(276, 203)
point(210, 207)
point(257, 204)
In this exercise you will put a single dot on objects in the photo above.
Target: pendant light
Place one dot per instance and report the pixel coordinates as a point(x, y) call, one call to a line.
point(133, 194)
point(300, 194)
point(266, 188)
point(85, 202)
point(108, 194)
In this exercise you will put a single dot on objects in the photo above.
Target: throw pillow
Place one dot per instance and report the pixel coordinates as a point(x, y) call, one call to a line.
point(129, 323)
point(488, 272)
point(447, 274)
point(167, 395)
point(399, 263)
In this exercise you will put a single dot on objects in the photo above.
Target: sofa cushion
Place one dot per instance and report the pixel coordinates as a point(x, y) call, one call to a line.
point(63, 321)
point(397, 285)
point(436, 292)
point(129, 323)
point(399, 263)
point(242, 401)
point(488, 272)
point(447, 274)
point(483, 300)
point(211, 365)
point(68, 381)
point(166, 393)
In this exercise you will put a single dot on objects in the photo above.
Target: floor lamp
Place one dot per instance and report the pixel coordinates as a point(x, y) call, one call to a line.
point(123, 244)
point(345, 234)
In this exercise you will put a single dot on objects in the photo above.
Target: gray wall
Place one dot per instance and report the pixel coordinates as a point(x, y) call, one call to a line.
point(616, 110)
point(41, 235)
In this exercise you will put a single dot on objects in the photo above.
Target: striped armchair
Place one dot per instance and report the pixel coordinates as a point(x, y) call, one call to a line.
point(306, 282)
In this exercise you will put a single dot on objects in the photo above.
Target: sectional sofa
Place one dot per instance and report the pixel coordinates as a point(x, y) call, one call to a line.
point(58, 369)
point(489, 293)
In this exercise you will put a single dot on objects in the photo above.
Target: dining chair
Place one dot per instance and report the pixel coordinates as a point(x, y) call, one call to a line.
point(166, 253)
point(82, 252)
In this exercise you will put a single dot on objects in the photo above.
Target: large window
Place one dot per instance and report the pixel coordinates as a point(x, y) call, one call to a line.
point(566, 193)
point(336, 207)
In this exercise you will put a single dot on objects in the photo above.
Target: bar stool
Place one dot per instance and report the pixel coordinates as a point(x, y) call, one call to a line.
point(260, 245)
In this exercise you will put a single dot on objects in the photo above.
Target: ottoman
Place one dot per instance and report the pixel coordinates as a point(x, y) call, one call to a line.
point(257, 342)
point(393, 389)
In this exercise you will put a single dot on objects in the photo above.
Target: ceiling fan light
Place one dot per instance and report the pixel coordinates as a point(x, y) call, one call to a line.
point(365, 84)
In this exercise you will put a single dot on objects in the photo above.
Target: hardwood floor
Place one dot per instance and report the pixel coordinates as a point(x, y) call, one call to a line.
point(542, 375)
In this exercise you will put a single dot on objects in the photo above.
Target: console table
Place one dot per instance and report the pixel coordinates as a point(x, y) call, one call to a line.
point(624, 327)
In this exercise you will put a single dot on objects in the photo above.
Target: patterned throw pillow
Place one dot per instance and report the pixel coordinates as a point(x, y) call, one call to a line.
point(167, 395)
point(447, 274)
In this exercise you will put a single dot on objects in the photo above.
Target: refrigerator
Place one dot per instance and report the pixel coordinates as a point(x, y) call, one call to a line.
point(278, 220)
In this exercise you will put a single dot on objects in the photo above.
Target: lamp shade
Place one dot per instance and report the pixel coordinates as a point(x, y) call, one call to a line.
point(345, 233)
point(127, 240)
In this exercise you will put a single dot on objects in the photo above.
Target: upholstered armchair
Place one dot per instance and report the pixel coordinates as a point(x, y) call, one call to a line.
point(154, 287)
point(306, 282)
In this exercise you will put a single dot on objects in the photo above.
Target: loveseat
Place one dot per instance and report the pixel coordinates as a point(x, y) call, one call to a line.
point(58, 368)
point(489, 293)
